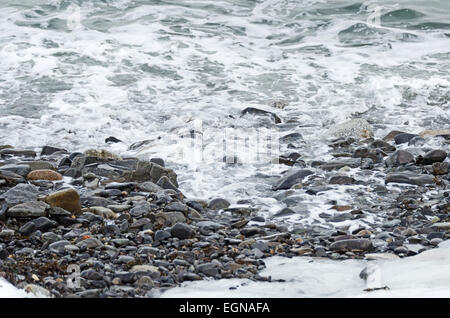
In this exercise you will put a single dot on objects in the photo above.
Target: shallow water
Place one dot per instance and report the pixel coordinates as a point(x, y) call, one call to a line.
point(77, 72)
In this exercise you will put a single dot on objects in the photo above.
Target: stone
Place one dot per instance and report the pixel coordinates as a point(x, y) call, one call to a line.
point(101, 154)
point(112, 140)
point(20, 169)
point(218, 204)
point(260, 112)
point(441, 168)
point(158, 161)
point(165, 183)
point(27, 229)
point(400, 157)
point(343, 180)
point(409, 178)
point(162, 235)
point(30, 209)
point(103, 212)
point(441, 226)
point(44, 224)
point(58, 246)
point(149, 187)
point(176, 206)
point(356, 128)
point(209, 269)
point(352, 244)
point(431, 157)
point(284, 212)
point(291, 178)
point(171, 217)
point(39, 165)
point(44, 175)
point(390, 136)
point(68, 199)
point(20, 193)
point(403, 138)
point(10, 178)
point(17, 152)
point(433, 133)
point(49, 150)
point(182, 231)
point(341, 163)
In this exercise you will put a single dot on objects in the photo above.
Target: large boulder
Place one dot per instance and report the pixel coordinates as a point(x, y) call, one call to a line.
point(150, 171)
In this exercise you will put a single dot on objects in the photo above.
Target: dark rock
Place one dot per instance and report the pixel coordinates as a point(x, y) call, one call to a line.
point(352, 244)
point(431, 157)
point(17, 152)
point(341, 180)
point(112, 140)
point(158, 161)
point(291, 178)
point(44, 224)
point(400, 157)
point(218, 204)
point(182, 231)
point(11, 178)
point(260, 112)
point(403, 138)
point(390, 136)
point(162, 235)
point(165, 183)
point(27, 229)
point(340, 163)
point(58, 246)
point(48, 150)
point(283, 212)
point(209, 269)
point(20, 169)
point(409, 178)
point(20, 193)
point(31, 209)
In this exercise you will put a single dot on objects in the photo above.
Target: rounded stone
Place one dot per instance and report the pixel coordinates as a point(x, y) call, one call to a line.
point(44, 174)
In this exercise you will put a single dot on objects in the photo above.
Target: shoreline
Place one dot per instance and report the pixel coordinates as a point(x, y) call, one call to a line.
point(129, 230)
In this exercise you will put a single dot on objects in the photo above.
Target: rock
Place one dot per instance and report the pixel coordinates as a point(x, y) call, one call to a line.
point(30, 209)
point(103, 212)
point(10, 178)
point(68, 199)
point(165, 183)
point(89, 243)
point(39, 165)
point(340, 163)
point(356, 128)
point(17, 152)
point(341, 180)
point(284, 212)
point(44, 175)
point(352, 244)
point(400, 157)
point(431, 157)
point(150, 171)
point(20, 169)
point(162, 235)
point(218, 204)
point(209, 269)
point(48, 150)
point(37, 291)
point(58, 246)
point(182, 231)
point(149, 187)
point(112, 140)
point(141, 209)
point(441, 168)
point(403, 138)
point(27, 229)
point(171, 217)
point(148, 269)
point(101, 154)
point(158, 161)
point(433, 133)
point(441, 226)
point(44, 224)
point(409, 178)
point(390, 136)
point(20, 193)
point(291, 178)
point(260, 112)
